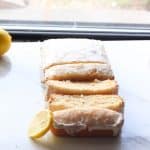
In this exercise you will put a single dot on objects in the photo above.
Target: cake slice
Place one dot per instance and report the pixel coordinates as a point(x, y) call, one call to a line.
point(60, 102)
point(86, 122)
point(79, 72)
point(78, 88)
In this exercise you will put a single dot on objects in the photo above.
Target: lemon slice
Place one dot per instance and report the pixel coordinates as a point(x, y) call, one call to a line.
point(40, 124)
point(5, 41)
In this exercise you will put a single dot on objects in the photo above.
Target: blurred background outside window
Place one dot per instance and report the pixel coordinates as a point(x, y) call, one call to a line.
point(99, 11)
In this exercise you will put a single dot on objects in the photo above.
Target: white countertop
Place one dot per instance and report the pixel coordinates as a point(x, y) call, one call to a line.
point(21, 96)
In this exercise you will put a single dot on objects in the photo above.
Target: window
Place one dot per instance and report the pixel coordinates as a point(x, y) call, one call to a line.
point(82, 15)
point(112, 11)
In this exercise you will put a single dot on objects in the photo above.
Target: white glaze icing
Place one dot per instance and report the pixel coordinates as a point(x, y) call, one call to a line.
point(78, 119)
point(58, 51)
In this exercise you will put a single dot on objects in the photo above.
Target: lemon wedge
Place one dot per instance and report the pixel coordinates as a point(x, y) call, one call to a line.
point(40, 124)
point(5, 41)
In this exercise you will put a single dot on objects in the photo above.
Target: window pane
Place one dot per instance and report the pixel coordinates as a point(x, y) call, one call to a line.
point(100, 11)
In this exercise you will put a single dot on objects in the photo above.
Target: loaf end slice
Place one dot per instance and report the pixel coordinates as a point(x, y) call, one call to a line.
point(71, 50)
point(87, 122)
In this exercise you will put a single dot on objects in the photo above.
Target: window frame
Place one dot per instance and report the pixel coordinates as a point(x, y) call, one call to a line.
point(38, 30)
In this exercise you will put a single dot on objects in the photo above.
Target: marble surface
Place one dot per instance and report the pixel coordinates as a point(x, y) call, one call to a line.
point(21, 97)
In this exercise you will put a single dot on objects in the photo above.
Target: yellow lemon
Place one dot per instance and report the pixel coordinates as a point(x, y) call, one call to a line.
point(5, 41)
point(40, 124)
